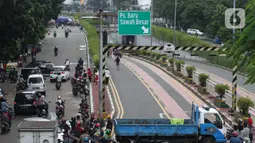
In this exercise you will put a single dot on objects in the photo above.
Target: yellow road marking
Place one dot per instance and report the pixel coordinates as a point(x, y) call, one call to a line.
point(163, 109)
point(117, 98)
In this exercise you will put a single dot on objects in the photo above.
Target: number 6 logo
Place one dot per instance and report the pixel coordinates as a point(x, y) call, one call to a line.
point(235, 18)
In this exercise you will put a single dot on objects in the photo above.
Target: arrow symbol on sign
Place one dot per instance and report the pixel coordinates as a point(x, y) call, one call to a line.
point(161, 115)
point(145, 30)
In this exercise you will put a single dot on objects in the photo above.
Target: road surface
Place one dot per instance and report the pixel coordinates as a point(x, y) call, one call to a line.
point(68, 49)
point(216, 74)
point(147, 92)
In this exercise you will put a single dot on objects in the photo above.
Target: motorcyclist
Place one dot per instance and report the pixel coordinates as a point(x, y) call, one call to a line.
point(55, 49)
point(41, 104)
point(59, 78)
point(5, 108)
point(80, 62)
point(60, 102)
point(67, 62)
point(21, 82)
point(13, 74)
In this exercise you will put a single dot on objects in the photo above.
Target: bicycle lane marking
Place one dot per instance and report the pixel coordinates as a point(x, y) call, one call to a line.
point(170, 105)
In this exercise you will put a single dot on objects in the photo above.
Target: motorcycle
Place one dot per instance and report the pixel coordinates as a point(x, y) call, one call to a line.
point(21, 86)
point(14, 78)
point(55, 34)
point(4, 125)
point(67, 68)
point(66, 34)
point(41, 111)
point(58, 85)
point(60, 111)
point(55, 53)
point(3, 77)
point(76, 88)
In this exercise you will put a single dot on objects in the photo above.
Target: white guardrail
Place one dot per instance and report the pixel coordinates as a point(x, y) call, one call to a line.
point(210, 86)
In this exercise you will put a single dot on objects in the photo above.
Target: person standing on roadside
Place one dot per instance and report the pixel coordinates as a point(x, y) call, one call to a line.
point(250, 121)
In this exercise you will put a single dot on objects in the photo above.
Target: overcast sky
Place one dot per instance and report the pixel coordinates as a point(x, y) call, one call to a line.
point(140, 2)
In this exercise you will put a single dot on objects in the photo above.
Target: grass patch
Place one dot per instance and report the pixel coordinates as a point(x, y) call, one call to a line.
point(93, 40)
point(182, 39)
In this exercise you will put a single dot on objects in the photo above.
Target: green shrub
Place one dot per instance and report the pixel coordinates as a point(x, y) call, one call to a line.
point(178, 64)
point(93, 40)
point(202, 78)
point(244, 103)
point(182, 39)
point(164, 58)
point(153, 55)
point(158, 56)
point(171, 61)
point(221, 89)
point(190, 70)
point(148, 54)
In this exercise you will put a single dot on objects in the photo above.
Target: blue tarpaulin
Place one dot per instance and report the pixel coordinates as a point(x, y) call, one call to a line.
point(63, 20)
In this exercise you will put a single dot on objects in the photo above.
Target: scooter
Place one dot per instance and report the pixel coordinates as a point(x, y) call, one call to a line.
point(55, 35)
point(21, 86)
point(58, 85)
point(66, 34)
point(4, 125)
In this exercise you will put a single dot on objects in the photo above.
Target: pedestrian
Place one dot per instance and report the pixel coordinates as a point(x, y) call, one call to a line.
point(107, 76)
point(247, 133)
point(96, 78)
point(89, 72)
point(109, 124)
point(250, 121)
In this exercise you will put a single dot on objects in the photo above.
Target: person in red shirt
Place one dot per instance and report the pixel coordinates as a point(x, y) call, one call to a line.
point(250, 122)
point(96, 78)
point(89, 73)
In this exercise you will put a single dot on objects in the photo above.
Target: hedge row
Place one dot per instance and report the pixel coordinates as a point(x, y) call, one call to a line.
point(93, 40)
point(243, 103)
point(182, 39)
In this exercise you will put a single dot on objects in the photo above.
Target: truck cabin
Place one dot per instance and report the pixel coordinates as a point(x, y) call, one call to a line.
point(210, 122)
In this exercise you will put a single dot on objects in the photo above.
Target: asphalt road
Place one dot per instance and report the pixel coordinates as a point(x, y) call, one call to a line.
point(68, 48)
point(217, 71)
point(136, 100)
point(182, 102)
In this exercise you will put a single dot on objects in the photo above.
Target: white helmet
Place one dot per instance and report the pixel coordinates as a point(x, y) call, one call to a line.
point(42, 97)
point(59, 97)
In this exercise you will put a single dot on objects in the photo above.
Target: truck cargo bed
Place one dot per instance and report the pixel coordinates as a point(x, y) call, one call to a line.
point(154, 127)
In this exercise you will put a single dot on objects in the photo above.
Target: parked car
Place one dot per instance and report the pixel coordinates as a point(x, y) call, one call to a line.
point(62, 70)
point(194, 32)
point(29, 70)
point(23, 102)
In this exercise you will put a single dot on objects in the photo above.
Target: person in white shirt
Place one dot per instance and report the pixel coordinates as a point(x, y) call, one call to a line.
point(107, 76)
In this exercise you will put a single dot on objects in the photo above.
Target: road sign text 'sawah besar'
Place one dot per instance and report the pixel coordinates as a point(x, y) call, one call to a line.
point(134, 22)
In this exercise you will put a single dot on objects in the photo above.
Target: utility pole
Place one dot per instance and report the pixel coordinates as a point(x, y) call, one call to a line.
point(234, 69)
point(152, 10)
point(101, 64)
point(175, 7)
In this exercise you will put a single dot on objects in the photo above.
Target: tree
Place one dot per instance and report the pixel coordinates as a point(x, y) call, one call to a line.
point(242, 51)
point(24, 22)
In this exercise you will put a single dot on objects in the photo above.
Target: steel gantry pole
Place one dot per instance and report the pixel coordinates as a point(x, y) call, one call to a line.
point(152, 10)
point(234, 70)
point(101, 65)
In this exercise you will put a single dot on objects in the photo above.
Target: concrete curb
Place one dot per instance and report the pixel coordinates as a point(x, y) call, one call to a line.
point(88, 65)
point(111, 101)
point(188, 87)
point(214, 65)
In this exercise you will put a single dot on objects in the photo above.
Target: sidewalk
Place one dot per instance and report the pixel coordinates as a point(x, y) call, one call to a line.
point(206, 98)
point(96, 100)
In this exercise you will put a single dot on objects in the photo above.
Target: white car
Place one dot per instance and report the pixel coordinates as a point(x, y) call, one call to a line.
point(59, 69)
point(194, 32)
point(36, 81)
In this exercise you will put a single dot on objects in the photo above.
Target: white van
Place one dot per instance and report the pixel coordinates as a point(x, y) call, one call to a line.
point(36, 82)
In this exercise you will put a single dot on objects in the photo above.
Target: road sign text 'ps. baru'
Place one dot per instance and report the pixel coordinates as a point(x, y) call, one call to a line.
point(134, 22)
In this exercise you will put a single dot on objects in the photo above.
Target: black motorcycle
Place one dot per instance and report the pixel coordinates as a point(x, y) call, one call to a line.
point(66, 34)
point(58, 85)
point(42, 110)
point(21, 86)
point(76, 88)
point(13, 78)
point(3, 77)
point(56, 53)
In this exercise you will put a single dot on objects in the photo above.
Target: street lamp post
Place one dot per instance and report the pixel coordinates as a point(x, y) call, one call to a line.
point(175, 7)
point(101, 63)
point(152, 4)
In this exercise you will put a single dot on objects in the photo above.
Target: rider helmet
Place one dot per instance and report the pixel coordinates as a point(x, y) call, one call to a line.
point(42, 97)
point(59, 97)
point(108, 131)
point(97, 125)
point(86, 140)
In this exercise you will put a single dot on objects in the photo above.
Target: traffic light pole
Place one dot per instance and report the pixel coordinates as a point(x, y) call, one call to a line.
point(100, 64)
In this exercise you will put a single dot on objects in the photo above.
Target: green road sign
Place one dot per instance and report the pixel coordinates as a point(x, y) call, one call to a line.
point(134, 22)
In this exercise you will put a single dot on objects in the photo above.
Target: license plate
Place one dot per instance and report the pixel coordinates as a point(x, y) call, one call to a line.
point(24, 107)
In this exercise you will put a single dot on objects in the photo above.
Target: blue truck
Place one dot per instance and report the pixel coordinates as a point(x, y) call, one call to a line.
point(205, 126)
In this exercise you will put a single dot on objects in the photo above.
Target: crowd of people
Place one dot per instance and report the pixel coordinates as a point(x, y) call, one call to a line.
point(243, 131)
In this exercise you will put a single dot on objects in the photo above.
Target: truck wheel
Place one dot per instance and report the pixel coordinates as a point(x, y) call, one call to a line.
point(208, 140)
